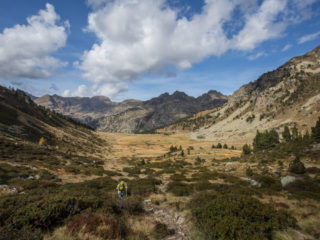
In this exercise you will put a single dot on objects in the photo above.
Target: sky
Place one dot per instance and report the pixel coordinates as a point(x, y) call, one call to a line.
point(140, 49)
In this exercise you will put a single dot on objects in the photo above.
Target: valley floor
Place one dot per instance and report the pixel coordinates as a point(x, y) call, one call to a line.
point(173, 178)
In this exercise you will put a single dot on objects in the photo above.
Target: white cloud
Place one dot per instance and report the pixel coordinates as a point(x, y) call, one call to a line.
point(25, 50)
point(261, 26)
point(286, 47)
point(308, 37)
point(257, 55)
point(107, 89)
point(142, 36)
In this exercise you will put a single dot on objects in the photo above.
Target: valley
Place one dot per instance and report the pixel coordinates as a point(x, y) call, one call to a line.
point(246, 169)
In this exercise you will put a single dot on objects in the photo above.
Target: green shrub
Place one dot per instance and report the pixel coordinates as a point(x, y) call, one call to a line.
point(296, 166)
point(179, 188)
point(160, 231)
point(203, 185)
point(132, 171)
point(178, 177)
point(201, 198)
point(268, 182)
point(143, 186)
point(306, 188)
point(249, 172)
point(240, 217)
point(205, 175)
point(246, 149)
point(130, 205)
point(219, 145)
point(199, 160)
point(101, 225)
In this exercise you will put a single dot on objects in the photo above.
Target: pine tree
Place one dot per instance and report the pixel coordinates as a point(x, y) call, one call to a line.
point(265, 140)
point(296, 166)
point(225, 146)
point(316, 131)
point(182, 153)
point(286, 134)
point(246, 149)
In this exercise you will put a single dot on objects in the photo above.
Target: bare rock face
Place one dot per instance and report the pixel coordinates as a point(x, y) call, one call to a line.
point(132, 115)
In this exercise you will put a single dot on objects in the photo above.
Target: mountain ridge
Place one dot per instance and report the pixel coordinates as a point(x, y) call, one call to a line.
point(132, 115)
point(286, 96)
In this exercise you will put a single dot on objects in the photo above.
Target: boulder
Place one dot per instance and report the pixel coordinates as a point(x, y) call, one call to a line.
point(287, 179)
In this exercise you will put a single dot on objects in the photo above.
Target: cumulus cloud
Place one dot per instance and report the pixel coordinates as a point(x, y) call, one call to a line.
point(107, 89)
point(139, 37)
point(308, 37)
point(25, 50)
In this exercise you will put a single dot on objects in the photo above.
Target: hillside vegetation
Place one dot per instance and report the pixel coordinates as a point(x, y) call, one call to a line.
point(58, 177)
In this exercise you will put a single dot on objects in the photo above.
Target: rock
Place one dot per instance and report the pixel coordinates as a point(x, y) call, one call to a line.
point(147, 201)
point(287, 179)
point(14, 190)
point(312, 175)
point(253, 182)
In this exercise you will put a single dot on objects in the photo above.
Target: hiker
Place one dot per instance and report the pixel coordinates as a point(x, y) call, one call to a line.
point(122, 189)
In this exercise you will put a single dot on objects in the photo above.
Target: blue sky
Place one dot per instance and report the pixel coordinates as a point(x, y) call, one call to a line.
point(140, 49)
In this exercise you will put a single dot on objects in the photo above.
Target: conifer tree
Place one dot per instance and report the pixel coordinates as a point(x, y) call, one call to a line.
point(286, 134)
point(316, 131)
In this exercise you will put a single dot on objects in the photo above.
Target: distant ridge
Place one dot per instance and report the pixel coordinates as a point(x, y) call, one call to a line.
point(132, 115)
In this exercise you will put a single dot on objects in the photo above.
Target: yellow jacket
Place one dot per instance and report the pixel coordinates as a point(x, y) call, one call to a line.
point(122, 186)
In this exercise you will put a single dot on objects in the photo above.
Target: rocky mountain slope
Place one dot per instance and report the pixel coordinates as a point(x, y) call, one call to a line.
point(132, 115)
point(24, 126)
point(289, 95)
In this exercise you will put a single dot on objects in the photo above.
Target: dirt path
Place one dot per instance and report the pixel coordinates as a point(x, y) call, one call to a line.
point(176, 223)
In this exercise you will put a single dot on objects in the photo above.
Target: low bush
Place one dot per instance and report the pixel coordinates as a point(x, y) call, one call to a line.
point(296, 166)
point(304, 188)
point(249, 172)
point(132, 171)
point(131, 205)
point(240, 217)
point(160, 231)
point(203, 185)
point(104, 226)
point(143, 186)
point(178, 177)
point(268, 182)
point(180, 188)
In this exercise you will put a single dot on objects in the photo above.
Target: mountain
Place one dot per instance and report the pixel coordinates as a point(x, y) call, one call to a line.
point(23, 121)
point(132, 115)
point(289, 95)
